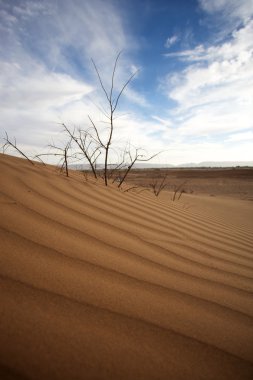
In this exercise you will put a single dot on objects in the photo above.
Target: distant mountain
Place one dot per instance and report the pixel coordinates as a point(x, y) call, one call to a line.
point(205, 164)
point(136, 166)
point(216, 164)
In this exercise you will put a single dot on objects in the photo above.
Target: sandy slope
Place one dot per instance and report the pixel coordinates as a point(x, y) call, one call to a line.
point(99, 284)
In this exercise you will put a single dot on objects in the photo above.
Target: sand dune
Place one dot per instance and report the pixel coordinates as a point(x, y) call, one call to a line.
point(102, 284)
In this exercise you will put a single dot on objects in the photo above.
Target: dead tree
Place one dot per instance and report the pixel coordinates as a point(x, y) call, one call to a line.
point(137, 157)
point(8, 144)
point(112, 103)
point(63, 153)
point(177, 189)
point(158, 187)
point(87, 145)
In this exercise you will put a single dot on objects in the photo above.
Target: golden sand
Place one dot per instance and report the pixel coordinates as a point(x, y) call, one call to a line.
point(102, 284)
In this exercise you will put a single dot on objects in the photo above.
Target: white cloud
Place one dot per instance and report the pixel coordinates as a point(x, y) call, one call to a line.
point(30, 8)
point(225, 16)
point(238, 47)
point(53, 32)
point(38, 88)
point(244, 136)
point(41, 84)
point(242, 9)
point(164, 122)
point(171, 41)
point(196, 54)
point(31, 102)
point(135, 97)
point(215, 92)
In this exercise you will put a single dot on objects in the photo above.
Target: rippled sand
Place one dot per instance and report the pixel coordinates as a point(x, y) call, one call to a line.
point(101, 284)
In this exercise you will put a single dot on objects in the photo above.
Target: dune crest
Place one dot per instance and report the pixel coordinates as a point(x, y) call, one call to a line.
point(100, 284)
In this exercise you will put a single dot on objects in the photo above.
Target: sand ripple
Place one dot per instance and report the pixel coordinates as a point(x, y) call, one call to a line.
point(100, 284)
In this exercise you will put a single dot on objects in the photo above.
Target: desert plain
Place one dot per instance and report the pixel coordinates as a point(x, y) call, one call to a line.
point(102, 283)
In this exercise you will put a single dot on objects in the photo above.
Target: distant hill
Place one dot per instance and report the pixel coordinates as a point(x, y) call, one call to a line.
point(216, 164)
point(205, 164)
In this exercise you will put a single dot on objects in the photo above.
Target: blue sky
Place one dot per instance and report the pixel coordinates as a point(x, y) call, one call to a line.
point(192, 97)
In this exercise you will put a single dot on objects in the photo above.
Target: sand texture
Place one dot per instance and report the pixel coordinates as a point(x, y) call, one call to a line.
point(101, 284)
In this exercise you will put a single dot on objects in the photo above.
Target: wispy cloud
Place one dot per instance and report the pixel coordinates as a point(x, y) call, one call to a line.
point(32, 103)
point(46, 74)
point(196, 54)
point(53, 31)
point(164, 123)
point(171, 41)
point(226, 15)
point(233, 9)
point(214, 92)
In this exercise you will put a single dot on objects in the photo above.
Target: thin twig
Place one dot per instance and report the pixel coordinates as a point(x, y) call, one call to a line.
point(14, 145)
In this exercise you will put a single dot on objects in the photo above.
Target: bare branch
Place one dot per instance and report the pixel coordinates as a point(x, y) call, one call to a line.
point(115, 102)
point(113, 74)
point(37, 156)
point(96, 131)
point(112, 104)
point(177, 188)
point(81, 142)
point(133, 159)
point(149, 158)
point(63, 153)
point(101, 109)
point(14, 145)
point(157, 188)
point(100, 80)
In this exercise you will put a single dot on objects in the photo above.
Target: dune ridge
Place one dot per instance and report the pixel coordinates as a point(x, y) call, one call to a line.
point(100, 284)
